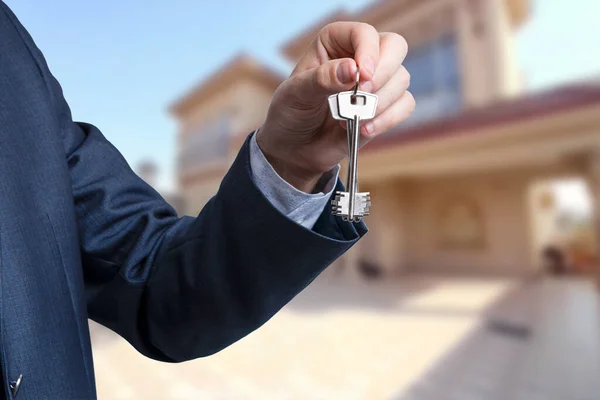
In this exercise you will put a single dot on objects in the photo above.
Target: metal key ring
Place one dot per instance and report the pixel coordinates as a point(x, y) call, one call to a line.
point(357, 81)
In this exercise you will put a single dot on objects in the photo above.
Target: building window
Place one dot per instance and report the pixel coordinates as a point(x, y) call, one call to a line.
point(207, 144)
point(435, 78)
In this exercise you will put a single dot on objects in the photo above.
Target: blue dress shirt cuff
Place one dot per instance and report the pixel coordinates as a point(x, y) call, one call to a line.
point(303, 208)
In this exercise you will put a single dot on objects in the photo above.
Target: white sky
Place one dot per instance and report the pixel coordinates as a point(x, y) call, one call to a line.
point(573, 196)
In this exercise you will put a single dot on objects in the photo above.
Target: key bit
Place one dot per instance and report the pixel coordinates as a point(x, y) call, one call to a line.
point(341, 205)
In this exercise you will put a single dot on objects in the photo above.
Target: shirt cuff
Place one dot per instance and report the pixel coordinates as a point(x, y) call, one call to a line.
point(303, 208)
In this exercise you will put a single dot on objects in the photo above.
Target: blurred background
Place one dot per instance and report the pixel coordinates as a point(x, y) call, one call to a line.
point(479, 277)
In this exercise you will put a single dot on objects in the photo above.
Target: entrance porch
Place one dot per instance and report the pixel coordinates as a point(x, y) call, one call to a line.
point(455, 196)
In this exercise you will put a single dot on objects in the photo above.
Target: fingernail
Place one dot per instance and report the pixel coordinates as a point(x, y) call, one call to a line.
point(343, 72)
point(370, 128)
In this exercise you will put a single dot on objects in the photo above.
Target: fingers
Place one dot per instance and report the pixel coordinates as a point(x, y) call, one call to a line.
point(330, 67)
point(393, 89)
point(392, 49)
point(332, 77)
point(378, 55)
point(365, 41)
point(390, 84)
point(395, 114)
point(354, 39)
point(345, 39)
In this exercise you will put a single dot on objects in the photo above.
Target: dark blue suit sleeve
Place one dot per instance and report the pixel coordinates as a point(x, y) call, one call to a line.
point(182, 288)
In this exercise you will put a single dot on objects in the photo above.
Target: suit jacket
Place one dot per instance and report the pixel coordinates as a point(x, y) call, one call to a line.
point(81, 236)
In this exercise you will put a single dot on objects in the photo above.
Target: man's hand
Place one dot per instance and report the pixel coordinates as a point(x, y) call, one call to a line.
point(299, 137)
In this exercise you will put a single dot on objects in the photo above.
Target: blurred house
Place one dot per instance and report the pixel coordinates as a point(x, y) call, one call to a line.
point(214, 120)
point(463, 186)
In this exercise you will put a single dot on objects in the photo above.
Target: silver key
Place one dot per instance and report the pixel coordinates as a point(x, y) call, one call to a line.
point(353, 106)
point(333, 106)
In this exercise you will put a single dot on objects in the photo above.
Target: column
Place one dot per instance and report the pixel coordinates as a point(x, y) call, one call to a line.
point(383, 245)
point(592, 178)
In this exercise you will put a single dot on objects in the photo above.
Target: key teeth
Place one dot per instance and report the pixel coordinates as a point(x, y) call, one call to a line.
point(339, 203)
point(338, 197)
point(339, 206)
point(364, 204)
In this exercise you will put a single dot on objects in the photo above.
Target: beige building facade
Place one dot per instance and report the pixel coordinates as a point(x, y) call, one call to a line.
point(460, 187)
point(213, 121)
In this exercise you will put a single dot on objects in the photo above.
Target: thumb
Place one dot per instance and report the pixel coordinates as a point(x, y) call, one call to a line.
point(332, 77)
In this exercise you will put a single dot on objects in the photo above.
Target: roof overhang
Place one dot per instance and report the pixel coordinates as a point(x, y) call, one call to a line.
point(379, 12)
point(519, 11)
point(242, 67)
point(540, 128)
point(376, 14)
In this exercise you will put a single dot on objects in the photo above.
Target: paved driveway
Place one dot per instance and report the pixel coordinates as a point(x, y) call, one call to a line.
point(422, 338)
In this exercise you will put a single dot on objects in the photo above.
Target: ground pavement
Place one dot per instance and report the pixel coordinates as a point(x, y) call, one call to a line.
point(420, 338)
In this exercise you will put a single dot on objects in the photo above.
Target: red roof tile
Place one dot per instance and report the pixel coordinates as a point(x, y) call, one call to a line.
point(537, 105)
